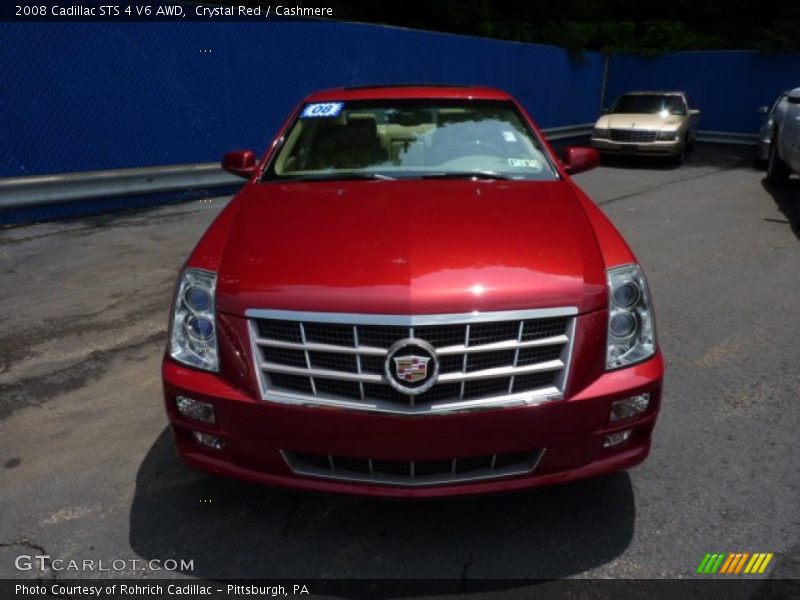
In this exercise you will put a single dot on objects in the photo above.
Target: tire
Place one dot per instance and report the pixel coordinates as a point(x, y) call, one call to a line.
point(681, 156)
point(777, 170)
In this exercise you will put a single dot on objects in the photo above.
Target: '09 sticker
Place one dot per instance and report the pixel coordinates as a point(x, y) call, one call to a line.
point(322, 109)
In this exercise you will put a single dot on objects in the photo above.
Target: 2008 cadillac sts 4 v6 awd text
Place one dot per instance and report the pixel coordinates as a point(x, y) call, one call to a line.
point(411, 298)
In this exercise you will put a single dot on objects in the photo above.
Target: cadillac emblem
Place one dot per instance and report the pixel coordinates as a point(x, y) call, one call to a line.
point(411, 366)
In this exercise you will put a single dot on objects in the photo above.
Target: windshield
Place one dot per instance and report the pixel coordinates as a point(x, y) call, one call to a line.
point(402, 139)
point(650, 104)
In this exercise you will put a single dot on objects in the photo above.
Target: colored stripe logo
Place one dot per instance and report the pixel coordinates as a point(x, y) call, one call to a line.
point(734, 563)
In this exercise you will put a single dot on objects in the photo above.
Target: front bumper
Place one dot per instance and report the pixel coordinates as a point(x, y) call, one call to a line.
point(256, 433)
point(666, 148)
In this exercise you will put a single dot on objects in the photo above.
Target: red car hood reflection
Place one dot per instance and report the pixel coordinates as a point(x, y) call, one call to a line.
point(410, 247)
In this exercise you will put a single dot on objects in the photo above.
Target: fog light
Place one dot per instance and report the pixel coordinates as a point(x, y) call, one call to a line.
point(616, 439)
point(194, 409)
point(630, 407)
point(205, 439)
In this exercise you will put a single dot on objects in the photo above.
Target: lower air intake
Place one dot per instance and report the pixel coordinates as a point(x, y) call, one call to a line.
point(413, 473)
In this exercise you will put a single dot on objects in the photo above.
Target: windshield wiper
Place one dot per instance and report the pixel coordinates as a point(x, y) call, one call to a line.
point(466, 175)
point(340, 176)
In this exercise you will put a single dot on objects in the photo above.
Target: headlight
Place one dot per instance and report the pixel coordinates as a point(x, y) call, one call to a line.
point(194, 328)
point(667, 136)
point(631, 330)
point(598, 132)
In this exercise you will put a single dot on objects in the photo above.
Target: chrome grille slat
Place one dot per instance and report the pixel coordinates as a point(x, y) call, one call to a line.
point(444, 351)
point(463, 370)
point(552, 365)
point(359, 350)
point(413, 472)
point(506, 345)
point(358, 363)
point(308, 358)
point(486, 359)
point(516, 355)
point(322, 373)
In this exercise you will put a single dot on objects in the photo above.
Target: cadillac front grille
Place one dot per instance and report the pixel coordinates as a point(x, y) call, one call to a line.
point(412, 364)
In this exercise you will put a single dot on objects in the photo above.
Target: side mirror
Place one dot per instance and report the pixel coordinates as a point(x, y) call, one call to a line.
point(763, 110)
point(578, 160)
point(240, 162)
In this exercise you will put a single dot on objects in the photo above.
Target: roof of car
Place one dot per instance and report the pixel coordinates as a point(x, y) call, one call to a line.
point(409, 91)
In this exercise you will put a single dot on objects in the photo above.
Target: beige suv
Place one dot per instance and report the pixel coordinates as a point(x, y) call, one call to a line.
point(647, 123)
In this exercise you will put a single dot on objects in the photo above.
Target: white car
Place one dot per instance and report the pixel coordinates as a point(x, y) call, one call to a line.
point(784, 149)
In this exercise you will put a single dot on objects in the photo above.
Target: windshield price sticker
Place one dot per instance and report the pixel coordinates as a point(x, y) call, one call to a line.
point(322, 109)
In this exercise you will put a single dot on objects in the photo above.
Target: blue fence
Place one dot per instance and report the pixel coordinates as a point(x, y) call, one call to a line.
point(93, 96)
point(727, 87)
point(90, 96)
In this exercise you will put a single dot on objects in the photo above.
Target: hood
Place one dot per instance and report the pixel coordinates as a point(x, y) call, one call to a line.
point(639, 121)
point(410, 247)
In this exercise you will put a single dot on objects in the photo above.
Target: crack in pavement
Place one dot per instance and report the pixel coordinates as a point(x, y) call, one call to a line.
point(97, 227)
point(36, 391)
point(20, 346)
point(26, 543)
point(51, 574)
point(663, 185)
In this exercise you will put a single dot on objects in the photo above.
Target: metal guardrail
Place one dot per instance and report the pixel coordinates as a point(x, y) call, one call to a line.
point(38, 190)
point(570, 131)
point(723, 137)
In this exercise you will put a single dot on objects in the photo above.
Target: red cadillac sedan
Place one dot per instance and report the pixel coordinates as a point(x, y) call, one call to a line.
point(411, 298)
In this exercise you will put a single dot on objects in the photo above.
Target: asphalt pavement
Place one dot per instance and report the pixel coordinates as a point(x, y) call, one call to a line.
point(87, 469)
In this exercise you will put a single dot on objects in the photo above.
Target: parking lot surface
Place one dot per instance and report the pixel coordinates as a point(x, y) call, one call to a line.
point(88, 470)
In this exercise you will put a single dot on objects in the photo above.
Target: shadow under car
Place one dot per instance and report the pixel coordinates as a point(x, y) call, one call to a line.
point(236, 530)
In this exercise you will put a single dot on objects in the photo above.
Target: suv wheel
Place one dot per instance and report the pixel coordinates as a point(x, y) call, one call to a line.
point(777, 170)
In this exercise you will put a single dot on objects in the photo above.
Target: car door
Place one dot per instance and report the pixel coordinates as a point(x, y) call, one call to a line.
point(790, 131)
